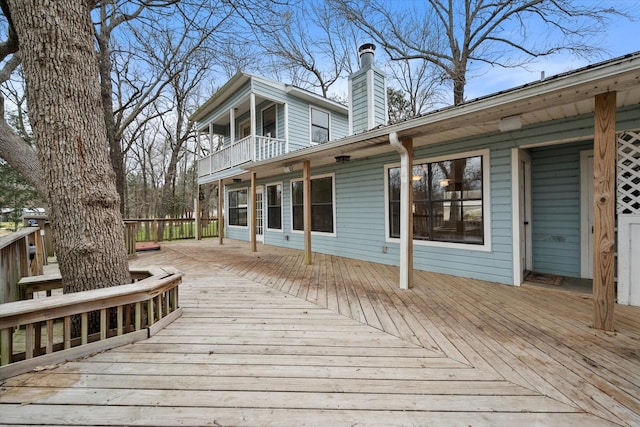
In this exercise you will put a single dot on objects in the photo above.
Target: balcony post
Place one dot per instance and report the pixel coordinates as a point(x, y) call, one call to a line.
point(286, 128)
point(232, 125)
point(252, 107)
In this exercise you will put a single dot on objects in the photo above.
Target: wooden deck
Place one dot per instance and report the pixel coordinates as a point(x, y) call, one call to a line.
point(266, 340)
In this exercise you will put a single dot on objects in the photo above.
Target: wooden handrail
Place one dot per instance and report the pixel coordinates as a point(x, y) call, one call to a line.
point(138, 310)
point(15, 262)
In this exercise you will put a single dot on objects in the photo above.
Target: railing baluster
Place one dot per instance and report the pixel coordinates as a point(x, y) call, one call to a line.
point(67, 332)
point(138, 316)
point(104, 326)
point(6, 346)
point(84, 328)
point(119, 326)
point(28, 341)
point(150, 313)
point(49, 336)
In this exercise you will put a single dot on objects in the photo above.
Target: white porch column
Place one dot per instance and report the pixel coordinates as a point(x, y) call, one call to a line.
point(405, 148)
point(232, 125)
point(286, 127)
point(252, 103)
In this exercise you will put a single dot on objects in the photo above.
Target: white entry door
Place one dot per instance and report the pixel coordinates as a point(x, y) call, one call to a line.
point(526, 251)
point(260, 214)
point(586, 214)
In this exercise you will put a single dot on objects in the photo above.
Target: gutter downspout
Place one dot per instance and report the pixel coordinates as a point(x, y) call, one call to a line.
point(405, 149)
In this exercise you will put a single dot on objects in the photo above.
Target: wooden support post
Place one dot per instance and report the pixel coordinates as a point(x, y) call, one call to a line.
point(604, 192)
point(306, 210)
point(252, 225)
point(220, 212)
point(198, 215)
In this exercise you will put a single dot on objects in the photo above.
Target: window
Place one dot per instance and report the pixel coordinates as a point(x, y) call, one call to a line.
point(269, 122)
point(447, 201)
point(238, 207)
point(319, 126)
point(321, 204)
point(274, 206)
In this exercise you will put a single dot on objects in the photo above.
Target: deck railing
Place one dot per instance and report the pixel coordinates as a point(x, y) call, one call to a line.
point(47, 331)
point(160, 230)
point(21, 255)
point(250, 148)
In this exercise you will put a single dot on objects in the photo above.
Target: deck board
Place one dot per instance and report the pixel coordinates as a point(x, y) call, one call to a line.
point(265, 339)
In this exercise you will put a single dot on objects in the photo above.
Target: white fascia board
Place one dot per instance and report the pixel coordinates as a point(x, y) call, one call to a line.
point(602, 77)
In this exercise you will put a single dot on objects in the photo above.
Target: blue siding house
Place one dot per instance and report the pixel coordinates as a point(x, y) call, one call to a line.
point(519, 181)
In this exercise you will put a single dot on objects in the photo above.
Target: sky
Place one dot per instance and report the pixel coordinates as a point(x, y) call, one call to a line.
point(621, 38)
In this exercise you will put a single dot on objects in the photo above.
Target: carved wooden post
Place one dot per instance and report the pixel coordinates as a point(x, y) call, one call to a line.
point(604, 171)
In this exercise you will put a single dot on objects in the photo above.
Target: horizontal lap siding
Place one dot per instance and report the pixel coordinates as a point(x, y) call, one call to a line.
point(360, 203)
point(299, 124)
point(555, 194)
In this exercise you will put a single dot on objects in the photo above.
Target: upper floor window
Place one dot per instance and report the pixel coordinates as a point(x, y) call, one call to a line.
point(319, 126)
point(447, 201)
point(274, 206)
point(238, 207)
point(269, 128)
point(322, 203)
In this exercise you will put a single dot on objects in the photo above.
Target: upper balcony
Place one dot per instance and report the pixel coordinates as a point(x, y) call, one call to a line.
point(252, 119)
point(247, 149)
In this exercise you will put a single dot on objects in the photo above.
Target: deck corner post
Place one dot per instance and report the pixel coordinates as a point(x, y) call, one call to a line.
point(604, 192)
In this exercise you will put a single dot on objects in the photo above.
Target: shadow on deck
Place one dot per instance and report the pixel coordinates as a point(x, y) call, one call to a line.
point(265, 339)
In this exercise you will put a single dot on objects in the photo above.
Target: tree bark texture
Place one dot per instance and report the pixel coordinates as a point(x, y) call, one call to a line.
point(63, 94)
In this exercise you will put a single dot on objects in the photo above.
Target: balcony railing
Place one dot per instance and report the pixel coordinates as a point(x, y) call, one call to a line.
point(250, 148)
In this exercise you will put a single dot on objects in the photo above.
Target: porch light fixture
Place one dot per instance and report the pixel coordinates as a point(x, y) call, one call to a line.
point(287, 169)
point(416, 177)
point(510, 123)
point(342, 159)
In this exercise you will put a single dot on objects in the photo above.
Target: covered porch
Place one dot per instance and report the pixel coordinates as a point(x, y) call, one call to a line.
point(267, 339)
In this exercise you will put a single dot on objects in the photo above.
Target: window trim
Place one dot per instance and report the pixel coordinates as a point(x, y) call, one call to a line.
point(333, 198)
point(266, 203)
point(228, 206)
point(486, 201)
point(311, 108)
point(275, 107)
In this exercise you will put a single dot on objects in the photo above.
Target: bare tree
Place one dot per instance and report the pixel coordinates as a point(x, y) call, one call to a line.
point(313, 47)
point(453, 34)
point(420, 81)
point(60, 68)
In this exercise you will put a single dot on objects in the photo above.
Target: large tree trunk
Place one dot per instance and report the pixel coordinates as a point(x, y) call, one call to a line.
point(63, 94)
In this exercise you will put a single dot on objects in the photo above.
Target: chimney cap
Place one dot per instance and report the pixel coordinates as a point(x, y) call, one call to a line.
point(367, 48)
point(366, 53)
